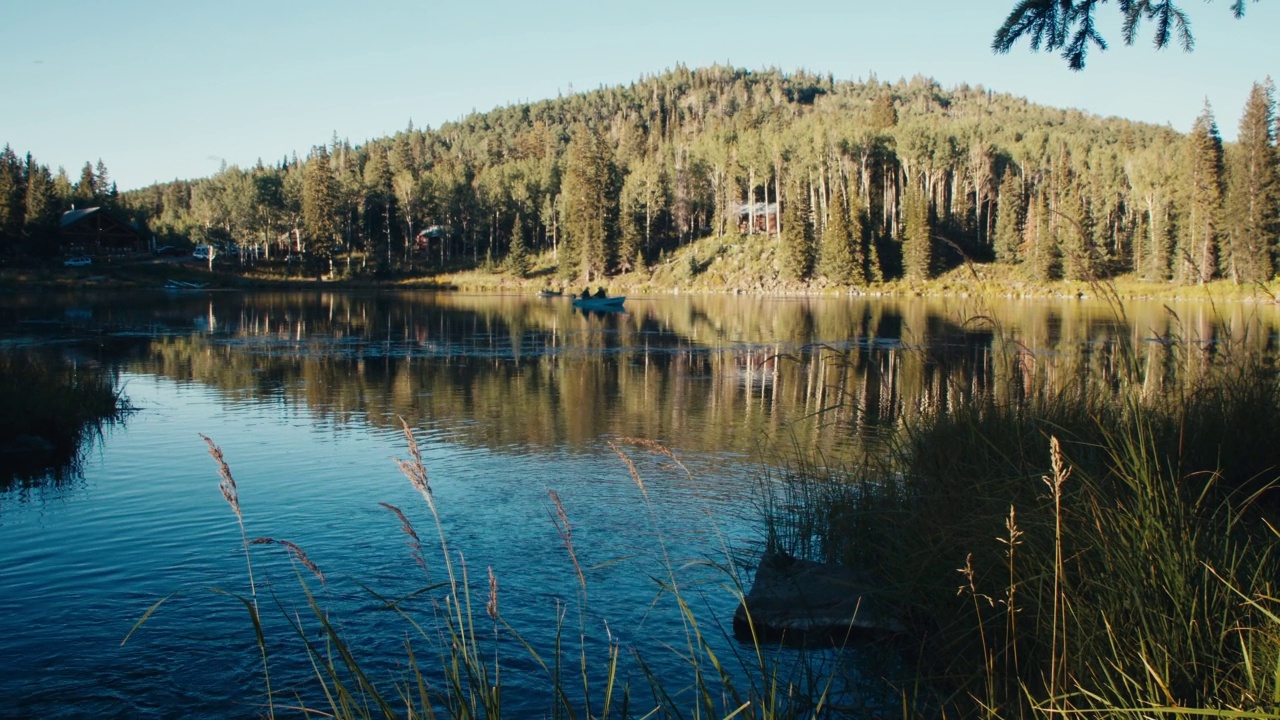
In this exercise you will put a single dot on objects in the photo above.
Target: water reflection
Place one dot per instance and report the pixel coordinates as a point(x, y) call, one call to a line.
point(52, 406)
point(707, 374)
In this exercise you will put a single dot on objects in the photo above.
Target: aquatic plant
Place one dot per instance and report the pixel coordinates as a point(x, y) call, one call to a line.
point(1114, 545)
point(456, 661)
point(50, 410)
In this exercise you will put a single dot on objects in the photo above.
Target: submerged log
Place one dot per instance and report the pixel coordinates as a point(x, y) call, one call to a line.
point(802, 602)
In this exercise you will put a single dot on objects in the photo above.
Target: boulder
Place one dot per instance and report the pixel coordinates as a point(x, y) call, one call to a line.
point(801, 602)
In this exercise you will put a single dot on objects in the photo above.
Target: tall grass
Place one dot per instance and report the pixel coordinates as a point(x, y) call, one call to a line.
point(50, 408)
point(1106, 550)
point(458, 660)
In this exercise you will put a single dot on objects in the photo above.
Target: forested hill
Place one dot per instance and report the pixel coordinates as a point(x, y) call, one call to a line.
point(852, 182)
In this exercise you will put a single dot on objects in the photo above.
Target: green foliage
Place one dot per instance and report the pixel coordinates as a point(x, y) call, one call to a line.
point(1253, 190)
point(1069, 26)
point(49, 409)
point(1114, 544)
point(917, 236)
point(672, 158)
point(839, 259)
point(320, 202)
point(1198, 249)
point(1042, 264)
point(797, 246)
point(518, 261)
point(591, 187)
point(883, 113)
point(1011, 216)
point(12, 200)
point(86, 191)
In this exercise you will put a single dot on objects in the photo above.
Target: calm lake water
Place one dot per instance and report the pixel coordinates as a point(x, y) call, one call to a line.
point(510, 398)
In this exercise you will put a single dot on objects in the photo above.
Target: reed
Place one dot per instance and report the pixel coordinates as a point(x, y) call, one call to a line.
point(457, 652)
point(51, 409)
point(1115, 546)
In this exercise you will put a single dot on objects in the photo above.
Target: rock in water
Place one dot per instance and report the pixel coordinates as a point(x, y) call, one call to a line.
point(802, 602)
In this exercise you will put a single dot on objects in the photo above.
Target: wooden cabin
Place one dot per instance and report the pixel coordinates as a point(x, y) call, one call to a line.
point(96, 231)
point(758, 218)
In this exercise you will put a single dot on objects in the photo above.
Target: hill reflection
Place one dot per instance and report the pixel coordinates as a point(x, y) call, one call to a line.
point(712, 374)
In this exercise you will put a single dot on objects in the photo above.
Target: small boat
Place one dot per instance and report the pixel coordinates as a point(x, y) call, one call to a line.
point(598, 303)
point(183, 285)
point(549, 293)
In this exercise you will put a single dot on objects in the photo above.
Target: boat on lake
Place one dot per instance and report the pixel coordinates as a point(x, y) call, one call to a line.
point(600, 303)
point(173, 285)
point(548, 293)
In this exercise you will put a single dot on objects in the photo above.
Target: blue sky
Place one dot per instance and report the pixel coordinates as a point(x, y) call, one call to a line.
point(168, 89)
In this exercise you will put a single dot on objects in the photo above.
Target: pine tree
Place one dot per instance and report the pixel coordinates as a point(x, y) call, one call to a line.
point(858, 224)
point(86, 191)
point(883, 113)
point(42, 207)
point(105, 193)
point(1253, 190)
point(13, 199)
point(320, 204)
point(836, 258)
point(917, 235)
point(1011, 214)
point(518, 252)
point(590, 193)
point(796, 251)
point(1075, 235)
point(1043, 260)
point(1199, 254)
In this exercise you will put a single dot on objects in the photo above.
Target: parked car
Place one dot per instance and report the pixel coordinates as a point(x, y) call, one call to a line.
point(78, 261)
point(201, 252)
point(169, 251)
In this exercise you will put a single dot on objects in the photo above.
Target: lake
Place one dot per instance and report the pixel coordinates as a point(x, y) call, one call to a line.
point(511, 399)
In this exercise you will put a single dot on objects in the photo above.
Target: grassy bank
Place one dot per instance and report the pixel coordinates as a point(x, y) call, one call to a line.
point(731, 264)
point(1113, 549)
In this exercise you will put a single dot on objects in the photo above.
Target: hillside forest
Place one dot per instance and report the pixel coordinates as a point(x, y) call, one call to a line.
point(849, 183)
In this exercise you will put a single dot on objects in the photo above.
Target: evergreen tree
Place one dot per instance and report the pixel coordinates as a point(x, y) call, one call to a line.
point(320, 205)
point(591, 188)
point(1199, 254)
point(13, 199)
point(1253, 190)
point(86, 191)
point(518, 254)
point(796, 251)
point(1043, 260)
point(1075, 236)
point(917, 235)
point(837, 259)
point(858, 231)
point(1011, 214)
point(42, 207)
point(1069, 26)
point(883, 113)
point(104, 188)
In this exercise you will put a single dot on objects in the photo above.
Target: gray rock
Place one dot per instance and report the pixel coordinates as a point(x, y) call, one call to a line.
point(802, 602)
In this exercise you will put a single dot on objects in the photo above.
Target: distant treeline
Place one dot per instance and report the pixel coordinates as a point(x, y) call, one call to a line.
point(855, 182)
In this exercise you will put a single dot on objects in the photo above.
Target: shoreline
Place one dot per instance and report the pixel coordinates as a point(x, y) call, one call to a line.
point(978, 281)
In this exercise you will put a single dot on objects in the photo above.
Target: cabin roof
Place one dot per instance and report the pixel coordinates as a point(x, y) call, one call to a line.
point(74, 216)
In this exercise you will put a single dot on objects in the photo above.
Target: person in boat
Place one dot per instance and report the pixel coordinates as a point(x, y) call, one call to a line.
point(586, 293)
point(600, 293)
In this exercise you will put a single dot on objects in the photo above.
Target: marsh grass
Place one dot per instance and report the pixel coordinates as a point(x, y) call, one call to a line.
point(460, 650)
point(1080, 550)
point(50, 411)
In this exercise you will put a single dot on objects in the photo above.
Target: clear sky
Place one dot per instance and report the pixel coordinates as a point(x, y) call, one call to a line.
point(160, 89)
